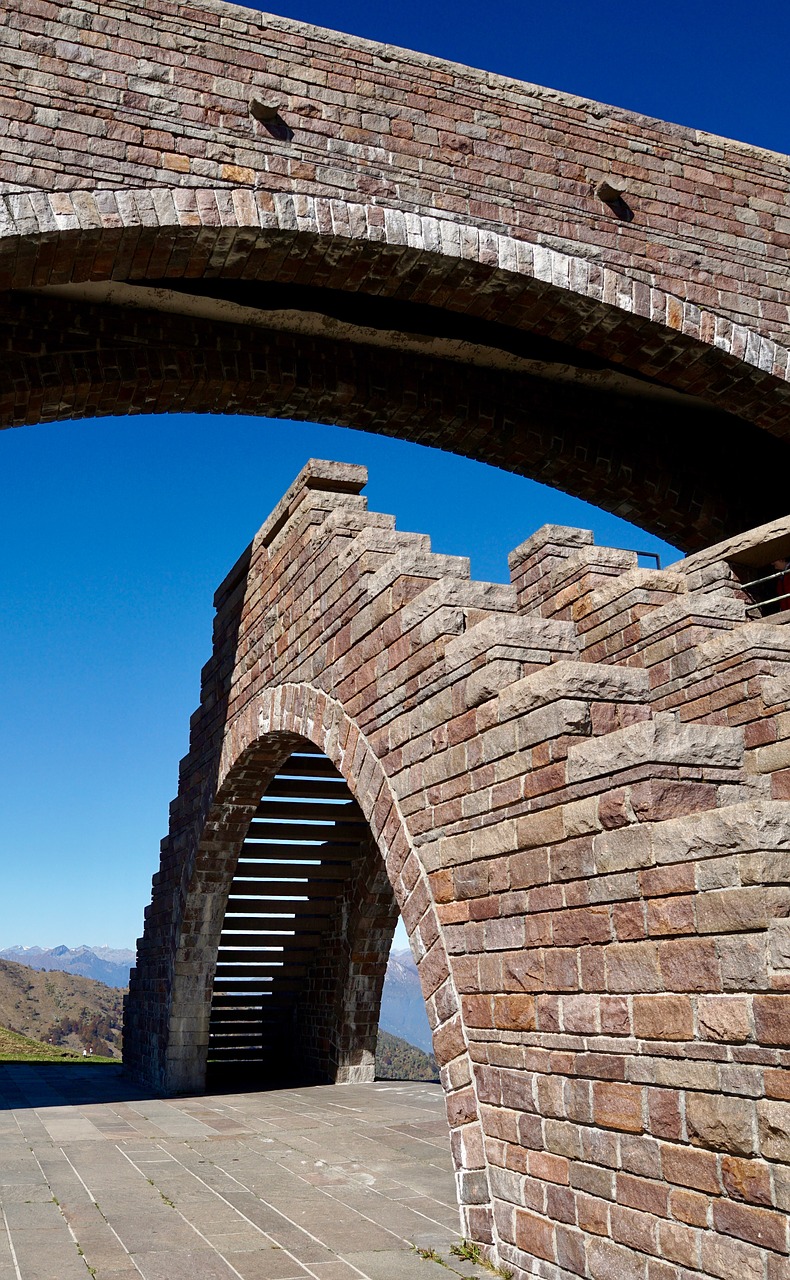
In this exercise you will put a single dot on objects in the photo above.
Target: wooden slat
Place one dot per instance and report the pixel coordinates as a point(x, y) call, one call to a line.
point(267, 1032)
point(323, 885)
point(270, 860)
point(220, 1042)
point(300, 854)
point(309, 809)
point(282, 898)
point(235, 1017)
point(261, 930)
point(340, 833)
point(257, 1045)
point(300, 941)
point(330, 788)
point(241, 1021)
point(259, 897)
point(272, 905)
point(299, 952)
point(218, 1038)
point(224, 1048)
point(235, 1055)
point(306, 916)
point(279, 1015)
point(238, 986)
point(232, 1000)
point(253, 1031)
point(274, 926)
point(259, 989)
point(258, 970)
point(265, 1029)
point(240, 1031)
point(308, 767)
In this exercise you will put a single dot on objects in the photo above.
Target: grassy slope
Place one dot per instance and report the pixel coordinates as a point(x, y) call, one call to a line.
point(17, 1048)
point(34, 1001)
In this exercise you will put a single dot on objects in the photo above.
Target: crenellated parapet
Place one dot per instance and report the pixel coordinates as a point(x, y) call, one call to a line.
point(575, 790)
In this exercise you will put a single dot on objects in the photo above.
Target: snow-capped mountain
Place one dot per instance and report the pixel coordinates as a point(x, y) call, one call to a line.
point(110, 965)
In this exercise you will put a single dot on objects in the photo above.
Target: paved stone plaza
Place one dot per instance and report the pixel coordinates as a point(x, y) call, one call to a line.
point(99, 1178)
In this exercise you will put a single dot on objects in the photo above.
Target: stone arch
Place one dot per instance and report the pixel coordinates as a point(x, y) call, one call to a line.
point(518, 354)
point(261, 737)
point(628, 298)
point(260, 740)
point(328, 1032)
point(136, 235)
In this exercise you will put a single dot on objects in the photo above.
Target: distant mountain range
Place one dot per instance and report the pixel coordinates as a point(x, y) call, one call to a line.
point(402, 1006)
point(104, 964)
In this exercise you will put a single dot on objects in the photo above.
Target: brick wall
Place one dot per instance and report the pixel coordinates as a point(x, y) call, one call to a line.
point(128, 154)
point(145, 94)
point(578, 786)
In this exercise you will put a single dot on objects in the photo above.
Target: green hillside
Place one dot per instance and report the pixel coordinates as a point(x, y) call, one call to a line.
point(398, 1060)
point(48, 1015)
point(61, 1010)
point(17, 1048)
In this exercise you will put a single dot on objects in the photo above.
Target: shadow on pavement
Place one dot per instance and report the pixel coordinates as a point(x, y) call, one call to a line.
point(46, 1084)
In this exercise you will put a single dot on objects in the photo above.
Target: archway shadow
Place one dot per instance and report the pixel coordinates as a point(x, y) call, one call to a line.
point(53, 1084)
point(38, 1085)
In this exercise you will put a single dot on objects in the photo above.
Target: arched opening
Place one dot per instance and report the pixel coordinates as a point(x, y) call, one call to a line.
point(305, 938)
point(168, 1014)
point(533, 361)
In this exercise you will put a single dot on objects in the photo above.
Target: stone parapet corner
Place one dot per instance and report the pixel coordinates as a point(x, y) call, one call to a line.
point(551, 539)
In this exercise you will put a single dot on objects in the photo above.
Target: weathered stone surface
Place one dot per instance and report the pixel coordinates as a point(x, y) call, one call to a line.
point(721, 1122)
point(663, 740)
point(109, 1181)
point(594, 885)
point(774, 1123)
point(780, 944)
point(489, 301)
point(725, 1018)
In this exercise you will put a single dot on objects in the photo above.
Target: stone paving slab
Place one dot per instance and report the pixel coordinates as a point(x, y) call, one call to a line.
point(334, 1183)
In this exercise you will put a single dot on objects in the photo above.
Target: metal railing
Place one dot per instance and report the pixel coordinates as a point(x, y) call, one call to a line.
point(651, 555)
point(777, 576)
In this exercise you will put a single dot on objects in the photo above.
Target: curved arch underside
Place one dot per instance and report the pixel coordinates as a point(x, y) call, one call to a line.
point(548, 381)
point(416, 248)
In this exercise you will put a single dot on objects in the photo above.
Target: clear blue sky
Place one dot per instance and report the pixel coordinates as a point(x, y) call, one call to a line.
point(116, 532)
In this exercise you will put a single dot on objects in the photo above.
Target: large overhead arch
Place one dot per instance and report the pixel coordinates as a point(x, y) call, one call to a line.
point(402, 245)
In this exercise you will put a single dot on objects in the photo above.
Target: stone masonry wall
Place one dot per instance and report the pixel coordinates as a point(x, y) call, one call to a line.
point(411, 247)
point(337, 1018)
point(579, 787)
point(153, 96)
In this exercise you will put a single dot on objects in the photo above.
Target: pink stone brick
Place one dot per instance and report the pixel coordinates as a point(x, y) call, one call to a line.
point(608, 1063)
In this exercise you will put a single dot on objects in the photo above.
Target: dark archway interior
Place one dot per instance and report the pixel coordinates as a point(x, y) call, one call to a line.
point(305, 938)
